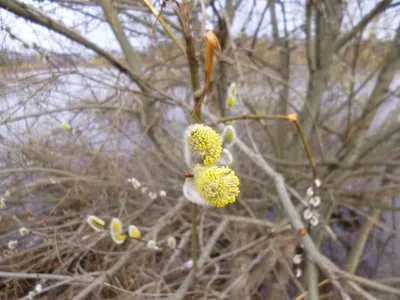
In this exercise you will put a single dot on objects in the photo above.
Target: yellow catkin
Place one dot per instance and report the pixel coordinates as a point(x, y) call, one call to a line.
point(115, 226)
point(204, 140)
point(134, 232)
point(219, 186)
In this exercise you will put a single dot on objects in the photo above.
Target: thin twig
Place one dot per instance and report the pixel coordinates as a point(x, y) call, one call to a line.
point(184, 287)
point(166, 27)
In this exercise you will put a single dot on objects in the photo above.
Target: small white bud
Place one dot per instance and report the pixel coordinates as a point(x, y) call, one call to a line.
point(314, 221)
point(310, 191)
point(135, 183)
point(31, 295)
point(298, 273)
point(7, 194)
point(144, 190)
point(188, 265)
point(12, 244)
point(233, 88)
point(3, 204)
point(307, 214)
point(151, 244)
point(38, 288)
point(315, 201)
point(24, 231)
point(85, 237)
point(171, 242)
point(163, 194)
point(153, 195)
point(317, 182)
point(297, 259)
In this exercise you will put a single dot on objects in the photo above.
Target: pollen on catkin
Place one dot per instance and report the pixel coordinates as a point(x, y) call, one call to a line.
point(231, 101)
point(134, 232)
point(66, 126)
point(219, 186)
point(96, 223)
point(119, 238)
point(115, 226)
point(202, 145)
point(24, 231)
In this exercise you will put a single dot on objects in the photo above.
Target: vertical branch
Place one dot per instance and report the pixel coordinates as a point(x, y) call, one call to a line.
point(327, 26)
point(390, 66)
point(194, 235)
point(254, 41)
point(284, 64)
point(185, 16)
point(356, 251)
point(309, 52)
point(166, 27)
point(312, 275)
point(223, 37)
point(355, 254)
point(131, 57)
point(30, 13)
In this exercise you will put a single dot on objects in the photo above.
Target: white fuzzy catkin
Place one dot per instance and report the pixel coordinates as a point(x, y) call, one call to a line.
point(317, 182)
point(171, 242)
point(307, 214)
point(191, 194)
point(38, 288)
point(297, 259)
point(315, 201)
point(226, 158)
point(228, 136)
point(96, 223)
point(188, 264)
point(153, 195)
point(151, 244)
point(12, 244)
point(24, 231)
point(314, 221)
point(135, 183)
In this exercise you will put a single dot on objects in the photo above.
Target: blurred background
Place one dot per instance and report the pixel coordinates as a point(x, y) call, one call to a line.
point(94, 93)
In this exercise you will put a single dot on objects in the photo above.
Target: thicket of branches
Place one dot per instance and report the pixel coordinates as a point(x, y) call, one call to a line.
point(77, 123)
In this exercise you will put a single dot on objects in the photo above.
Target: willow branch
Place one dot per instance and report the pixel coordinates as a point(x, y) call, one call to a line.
point(29, 13)
point(166, 27)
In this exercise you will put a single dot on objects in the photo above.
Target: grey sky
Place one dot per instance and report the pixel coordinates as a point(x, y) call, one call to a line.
point(101, 34)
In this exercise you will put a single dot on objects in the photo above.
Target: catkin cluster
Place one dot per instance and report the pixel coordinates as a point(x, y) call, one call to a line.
point(211, 181)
